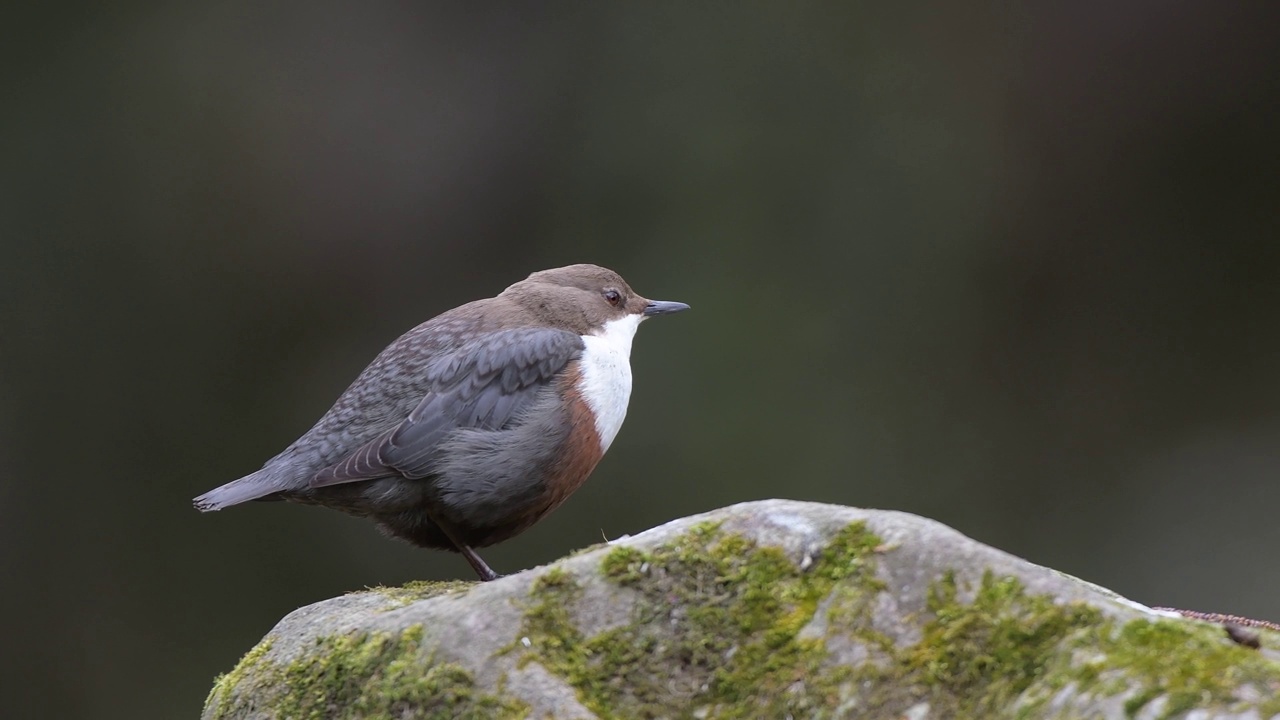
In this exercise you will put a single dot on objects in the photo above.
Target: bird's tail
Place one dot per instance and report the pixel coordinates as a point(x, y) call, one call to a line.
point(249, 487)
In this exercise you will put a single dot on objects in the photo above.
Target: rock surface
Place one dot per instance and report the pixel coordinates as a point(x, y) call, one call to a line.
point(769, 609)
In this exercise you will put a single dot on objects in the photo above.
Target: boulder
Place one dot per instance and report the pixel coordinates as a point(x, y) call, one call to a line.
point(773, 609)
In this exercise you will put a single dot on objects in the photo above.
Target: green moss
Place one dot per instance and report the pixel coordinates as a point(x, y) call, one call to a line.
point(1190, 664)
point(975, 659)
point(226, 683)
point(549, 619)
point(716, 625)
point(1140, 699)
point(624, 565)
point(416, 590)
point(978, 659)
point(358, 676)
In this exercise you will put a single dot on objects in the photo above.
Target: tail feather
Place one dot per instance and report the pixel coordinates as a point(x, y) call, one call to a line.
point(249, 487)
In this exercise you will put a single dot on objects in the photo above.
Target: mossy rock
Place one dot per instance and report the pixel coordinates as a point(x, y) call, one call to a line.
point(769, 609)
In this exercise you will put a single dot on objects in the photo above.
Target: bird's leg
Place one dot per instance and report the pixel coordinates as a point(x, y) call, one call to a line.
point(477, 563)
point(482, 569)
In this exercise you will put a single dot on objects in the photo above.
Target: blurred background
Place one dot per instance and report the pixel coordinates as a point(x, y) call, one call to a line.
point(1014, 269)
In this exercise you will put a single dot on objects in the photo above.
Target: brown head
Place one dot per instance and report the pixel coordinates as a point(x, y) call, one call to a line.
point(583, 298)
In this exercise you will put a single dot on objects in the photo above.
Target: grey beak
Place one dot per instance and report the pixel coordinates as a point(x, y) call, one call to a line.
point(663, 307)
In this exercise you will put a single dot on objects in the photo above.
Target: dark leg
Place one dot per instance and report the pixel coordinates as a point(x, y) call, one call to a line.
point(482, 568)
point(485, 572)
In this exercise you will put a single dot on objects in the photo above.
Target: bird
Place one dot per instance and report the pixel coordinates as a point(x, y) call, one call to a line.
point(476, 424)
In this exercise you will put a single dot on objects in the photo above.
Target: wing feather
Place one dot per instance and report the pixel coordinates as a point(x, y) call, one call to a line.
point(484, 385)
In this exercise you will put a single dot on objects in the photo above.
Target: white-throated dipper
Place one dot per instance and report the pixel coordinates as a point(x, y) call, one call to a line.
point(476, 424)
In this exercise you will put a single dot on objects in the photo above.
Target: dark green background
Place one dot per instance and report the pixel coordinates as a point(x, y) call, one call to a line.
point(1012, 268)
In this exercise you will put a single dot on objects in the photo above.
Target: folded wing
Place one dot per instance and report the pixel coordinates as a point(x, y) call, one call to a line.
point(485, 384)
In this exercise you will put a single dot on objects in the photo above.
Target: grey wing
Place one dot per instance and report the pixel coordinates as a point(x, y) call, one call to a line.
point(484, 384)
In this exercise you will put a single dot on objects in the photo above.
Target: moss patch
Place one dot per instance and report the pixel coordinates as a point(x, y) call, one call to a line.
point(975, 659)
point(1189, 664)
point(359, 676)
point(980, 659)
point(416, 590)
point(717, 626)
point(235, 680)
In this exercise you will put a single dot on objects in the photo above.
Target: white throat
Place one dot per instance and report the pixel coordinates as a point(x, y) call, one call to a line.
point(606, 375)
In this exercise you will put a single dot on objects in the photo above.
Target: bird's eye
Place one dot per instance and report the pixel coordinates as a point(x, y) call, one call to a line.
point(613, 297)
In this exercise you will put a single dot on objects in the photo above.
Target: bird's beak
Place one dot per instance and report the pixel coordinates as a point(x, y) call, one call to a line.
point(663, 307)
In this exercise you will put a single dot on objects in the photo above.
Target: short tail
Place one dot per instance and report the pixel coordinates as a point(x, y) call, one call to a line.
point(249, 487)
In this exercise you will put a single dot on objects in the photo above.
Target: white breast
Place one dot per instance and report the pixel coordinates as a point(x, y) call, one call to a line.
point(606, 375)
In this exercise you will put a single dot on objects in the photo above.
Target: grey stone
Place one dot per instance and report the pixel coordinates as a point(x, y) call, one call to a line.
point(765, 609)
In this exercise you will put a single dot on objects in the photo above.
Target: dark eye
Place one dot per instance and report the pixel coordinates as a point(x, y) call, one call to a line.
point(613, 296)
